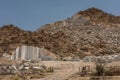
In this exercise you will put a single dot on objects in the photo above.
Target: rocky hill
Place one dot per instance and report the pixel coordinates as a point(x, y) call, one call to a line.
point(98, 16)
point(89, 32)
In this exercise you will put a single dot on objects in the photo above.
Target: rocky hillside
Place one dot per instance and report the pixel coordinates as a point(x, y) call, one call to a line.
point(98, 16)
point(89, 32)
point(11, 37)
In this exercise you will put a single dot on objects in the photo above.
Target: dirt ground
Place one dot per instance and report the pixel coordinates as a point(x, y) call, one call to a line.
point(77, 77)
point(7, 77)
point(63, 70)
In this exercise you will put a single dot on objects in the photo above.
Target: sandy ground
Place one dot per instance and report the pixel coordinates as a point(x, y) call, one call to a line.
point(88, 78)
point(66, 69)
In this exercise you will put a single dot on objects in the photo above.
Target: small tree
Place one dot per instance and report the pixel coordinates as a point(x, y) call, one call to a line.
point(100, 69)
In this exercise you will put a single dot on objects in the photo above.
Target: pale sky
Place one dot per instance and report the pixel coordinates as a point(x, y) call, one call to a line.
point(31, 14)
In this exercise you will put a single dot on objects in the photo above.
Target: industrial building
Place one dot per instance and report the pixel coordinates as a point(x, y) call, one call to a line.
point(31, 53)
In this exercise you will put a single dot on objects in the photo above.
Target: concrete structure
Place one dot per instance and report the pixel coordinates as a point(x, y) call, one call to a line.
point(30, 53)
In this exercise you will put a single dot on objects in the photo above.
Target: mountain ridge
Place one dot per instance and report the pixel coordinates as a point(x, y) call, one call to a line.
point(82, 34)
point(97, 15)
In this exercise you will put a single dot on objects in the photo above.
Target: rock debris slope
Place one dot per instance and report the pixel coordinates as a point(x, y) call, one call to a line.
point(89, 32)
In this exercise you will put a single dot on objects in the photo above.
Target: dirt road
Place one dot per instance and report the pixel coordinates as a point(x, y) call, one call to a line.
point(67, 69)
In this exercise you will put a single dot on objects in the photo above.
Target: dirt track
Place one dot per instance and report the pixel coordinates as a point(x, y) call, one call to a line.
point(62, 74)
point(66, 69)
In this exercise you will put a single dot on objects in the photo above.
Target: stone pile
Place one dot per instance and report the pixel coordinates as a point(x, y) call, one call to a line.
point(6, 69)
point(105, 58)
